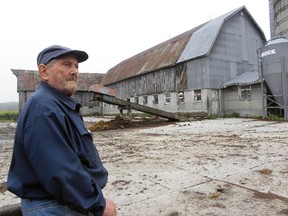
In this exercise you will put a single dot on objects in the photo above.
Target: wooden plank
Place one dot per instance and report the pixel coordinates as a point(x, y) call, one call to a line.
point(129, 105)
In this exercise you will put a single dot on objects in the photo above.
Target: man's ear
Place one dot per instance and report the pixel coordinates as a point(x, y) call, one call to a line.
point(43, 72)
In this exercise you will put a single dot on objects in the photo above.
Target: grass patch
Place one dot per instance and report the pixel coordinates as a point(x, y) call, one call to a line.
point(274, 118)
point(213, 116)
point(6, 116)
point(188, 115)
point(233, 115)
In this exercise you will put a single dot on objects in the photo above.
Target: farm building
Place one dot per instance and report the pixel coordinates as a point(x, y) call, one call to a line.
point(212, 68)
point(27, 81)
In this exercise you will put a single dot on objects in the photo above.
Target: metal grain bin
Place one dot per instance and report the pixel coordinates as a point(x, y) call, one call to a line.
point(281, 21)
point(278, 13)
point(274, 56)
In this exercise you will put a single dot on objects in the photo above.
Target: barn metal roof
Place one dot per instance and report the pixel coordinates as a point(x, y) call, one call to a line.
point(201, 42)
point(247, 78)
point(160, 56)
point(194, 43)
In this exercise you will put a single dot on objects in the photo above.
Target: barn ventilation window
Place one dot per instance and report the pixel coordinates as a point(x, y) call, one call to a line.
point(145, 100)
point(136, 100)
point(181, 97)
point(167, 98)
point(197, 95)
point(155, 99)
point(245, 92)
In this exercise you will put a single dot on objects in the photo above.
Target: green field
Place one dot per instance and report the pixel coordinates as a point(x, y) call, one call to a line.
point(8, 115)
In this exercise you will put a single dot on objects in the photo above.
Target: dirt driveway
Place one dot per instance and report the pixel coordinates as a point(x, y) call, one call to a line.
point(208, 167)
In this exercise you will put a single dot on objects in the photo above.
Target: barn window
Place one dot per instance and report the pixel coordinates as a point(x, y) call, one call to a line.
point(167, 98)
point(181, 97)
point(136, 100)
point(145, 100)
point(245, 92)
point(155, 99)
point(197, 95)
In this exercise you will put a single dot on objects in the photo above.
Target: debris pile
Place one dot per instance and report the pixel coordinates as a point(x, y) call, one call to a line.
point(119, 122)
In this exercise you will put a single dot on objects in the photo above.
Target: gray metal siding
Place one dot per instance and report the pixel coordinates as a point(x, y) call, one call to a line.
point(197, 73)
point(220, 70)
point(238, 44)
point(233, 53)
point(197, 46)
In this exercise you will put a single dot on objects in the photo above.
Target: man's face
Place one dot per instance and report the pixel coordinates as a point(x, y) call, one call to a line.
point(62, 74)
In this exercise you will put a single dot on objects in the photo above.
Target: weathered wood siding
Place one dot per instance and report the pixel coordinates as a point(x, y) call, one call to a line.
point(166, 80)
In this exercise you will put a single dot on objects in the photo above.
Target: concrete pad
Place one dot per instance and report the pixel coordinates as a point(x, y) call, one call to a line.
point(209, 167)
point(268, 178)
point(138, 182)
point(210, 198)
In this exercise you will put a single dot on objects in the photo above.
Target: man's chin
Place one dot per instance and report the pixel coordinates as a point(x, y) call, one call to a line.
point(71, 88)
point(70, 92)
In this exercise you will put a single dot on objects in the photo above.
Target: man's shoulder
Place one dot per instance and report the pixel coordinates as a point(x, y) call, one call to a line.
point(41, 98)
point(38, 103)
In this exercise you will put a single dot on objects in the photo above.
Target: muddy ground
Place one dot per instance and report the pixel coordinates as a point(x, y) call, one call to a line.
point(204, 167)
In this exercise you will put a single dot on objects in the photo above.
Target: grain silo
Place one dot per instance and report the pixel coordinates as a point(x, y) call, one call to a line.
point(278, 12)
point(274, 59)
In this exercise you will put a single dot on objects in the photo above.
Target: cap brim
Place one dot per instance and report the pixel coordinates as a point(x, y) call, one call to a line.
point(81, 56)
point(55, 51)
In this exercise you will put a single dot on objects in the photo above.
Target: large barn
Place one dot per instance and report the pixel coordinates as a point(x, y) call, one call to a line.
point(212, 68)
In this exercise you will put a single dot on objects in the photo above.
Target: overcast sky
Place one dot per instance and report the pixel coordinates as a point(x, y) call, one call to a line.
point(110, 31)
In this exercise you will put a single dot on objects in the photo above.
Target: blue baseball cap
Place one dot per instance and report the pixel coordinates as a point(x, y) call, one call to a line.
point(54, 51)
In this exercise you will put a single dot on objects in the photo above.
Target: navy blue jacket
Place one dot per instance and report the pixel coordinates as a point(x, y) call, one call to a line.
point(54, 156)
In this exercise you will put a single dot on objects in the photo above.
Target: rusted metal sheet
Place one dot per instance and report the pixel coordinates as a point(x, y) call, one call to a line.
point(129, 105)
point(102, 90)
point(162, 55)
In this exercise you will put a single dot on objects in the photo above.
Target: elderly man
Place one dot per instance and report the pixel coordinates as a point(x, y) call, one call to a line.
point(55, 167)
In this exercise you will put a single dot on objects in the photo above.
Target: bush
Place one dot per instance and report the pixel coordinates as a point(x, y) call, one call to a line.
point(234, 115)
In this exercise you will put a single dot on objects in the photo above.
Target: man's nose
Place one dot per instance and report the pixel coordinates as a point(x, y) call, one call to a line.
point(74, 70)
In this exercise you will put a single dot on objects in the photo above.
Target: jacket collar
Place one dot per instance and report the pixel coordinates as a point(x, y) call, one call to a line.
point(68, 101)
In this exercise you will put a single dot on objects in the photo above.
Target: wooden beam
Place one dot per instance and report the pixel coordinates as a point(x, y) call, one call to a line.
point(129, 105)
